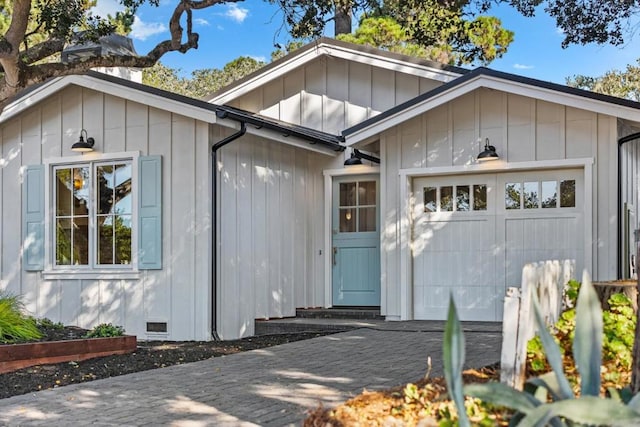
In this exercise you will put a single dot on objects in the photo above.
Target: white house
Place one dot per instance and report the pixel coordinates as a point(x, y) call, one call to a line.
point(125, 233)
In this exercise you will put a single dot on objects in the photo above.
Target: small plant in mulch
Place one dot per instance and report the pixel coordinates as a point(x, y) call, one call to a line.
point(105, 330)
point(15, 325)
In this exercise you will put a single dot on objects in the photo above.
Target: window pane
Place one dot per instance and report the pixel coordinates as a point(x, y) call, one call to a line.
point(446, 198)
point(80, 178)
point(549, 194)
point(568, 193)
point(63, 242)
point(80, 241)
point(430, 199)
point(367, 193)
point(122, 236)
point(122, 182)
point(347, 194)
point(512, 192)
point(531, 199)
point(63, 192)
point(105, 240)
point(347, 220)
point(367, 219)
point(479, 197)
point(462, 198)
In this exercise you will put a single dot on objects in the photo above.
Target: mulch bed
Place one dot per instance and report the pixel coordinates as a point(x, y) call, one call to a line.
point(149, 355)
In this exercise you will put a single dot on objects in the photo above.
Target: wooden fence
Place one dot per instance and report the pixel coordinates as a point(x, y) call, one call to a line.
point(547, 279)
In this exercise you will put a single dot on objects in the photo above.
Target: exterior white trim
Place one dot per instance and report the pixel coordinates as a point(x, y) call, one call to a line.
point(405, 218)
point(491, 82)
point(329, 174)
point(87, 272)
point(115, 89)
point(335, 51)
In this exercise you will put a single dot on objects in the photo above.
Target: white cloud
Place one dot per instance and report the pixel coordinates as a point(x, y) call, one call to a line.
point(201, 22)
point(522, 67)
point(142, 30)
point(258, 58)
point(236, 13)
point(107, 7)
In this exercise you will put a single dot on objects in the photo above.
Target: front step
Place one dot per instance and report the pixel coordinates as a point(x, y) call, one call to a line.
point(339, 313)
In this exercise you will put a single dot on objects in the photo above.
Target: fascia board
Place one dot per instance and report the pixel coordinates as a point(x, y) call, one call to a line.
point(567, 99)
point(410, 112)
point(336, 52)
point(393, 64)
point(110, 88)
point(271, 74)
point(491, 82)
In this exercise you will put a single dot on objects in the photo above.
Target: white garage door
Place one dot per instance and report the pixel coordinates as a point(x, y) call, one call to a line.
point(472, 234)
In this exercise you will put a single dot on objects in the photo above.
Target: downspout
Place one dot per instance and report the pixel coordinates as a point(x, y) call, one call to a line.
point(214, 225)
point(621, 141)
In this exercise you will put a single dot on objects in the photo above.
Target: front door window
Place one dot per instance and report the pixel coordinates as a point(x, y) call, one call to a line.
point(357, 210)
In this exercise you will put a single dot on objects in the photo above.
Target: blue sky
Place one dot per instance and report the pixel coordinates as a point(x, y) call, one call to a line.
point(249, 28)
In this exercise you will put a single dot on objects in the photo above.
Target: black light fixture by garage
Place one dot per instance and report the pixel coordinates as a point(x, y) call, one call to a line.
point(489, 152)
point(83, 146)
point(357, 156)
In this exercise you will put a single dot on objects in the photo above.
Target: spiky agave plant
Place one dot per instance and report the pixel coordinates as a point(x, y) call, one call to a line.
point(549, 398)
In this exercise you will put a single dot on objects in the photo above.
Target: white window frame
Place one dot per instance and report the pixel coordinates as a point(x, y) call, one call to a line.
point(91, 271)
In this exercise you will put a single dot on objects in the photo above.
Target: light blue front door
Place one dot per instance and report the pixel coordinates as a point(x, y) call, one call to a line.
point(356, 241)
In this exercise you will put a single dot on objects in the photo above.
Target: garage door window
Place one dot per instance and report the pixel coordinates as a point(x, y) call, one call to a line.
point(455, 198)
point(540, 194)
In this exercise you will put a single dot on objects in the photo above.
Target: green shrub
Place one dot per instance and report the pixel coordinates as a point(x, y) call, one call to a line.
point(47, 324)
point(15, 326)
point(617, 344)
point(105, 330)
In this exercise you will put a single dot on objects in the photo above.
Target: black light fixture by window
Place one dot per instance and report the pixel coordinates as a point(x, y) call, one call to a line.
point(489, 152)
point(357, 156)
point(83, 146)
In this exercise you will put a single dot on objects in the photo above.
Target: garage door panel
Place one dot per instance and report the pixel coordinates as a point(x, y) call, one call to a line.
point(475, 254)
point(536, 239)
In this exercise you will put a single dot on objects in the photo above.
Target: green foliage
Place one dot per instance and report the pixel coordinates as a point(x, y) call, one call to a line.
point(453, 353)
point(434, 29)
point(202, 82)
point(617, 340)
point(548, 399)
point(623, 84)
point(44, 323)
point(15, 326)
point(105, 330)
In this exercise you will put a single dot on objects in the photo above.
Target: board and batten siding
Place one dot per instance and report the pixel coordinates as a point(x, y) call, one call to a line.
point(331, 94)
point(178, 294)
point(270, 232)
point(522, 129)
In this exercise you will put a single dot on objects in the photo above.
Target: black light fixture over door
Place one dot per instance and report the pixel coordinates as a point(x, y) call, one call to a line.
point(357, 156)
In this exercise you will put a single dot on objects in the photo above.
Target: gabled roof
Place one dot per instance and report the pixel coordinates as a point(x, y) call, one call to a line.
point(487, 78)
point(179, 104)
point(337, 49)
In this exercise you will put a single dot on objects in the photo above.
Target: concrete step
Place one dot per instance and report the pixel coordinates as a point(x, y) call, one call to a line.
point(339, 313)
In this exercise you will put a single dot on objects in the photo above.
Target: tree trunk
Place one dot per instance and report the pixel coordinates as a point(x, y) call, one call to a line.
point(635, 364)
point(342, 19)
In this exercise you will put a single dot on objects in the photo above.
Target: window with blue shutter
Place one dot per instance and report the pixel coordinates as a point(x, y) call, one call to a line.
point(91, 216)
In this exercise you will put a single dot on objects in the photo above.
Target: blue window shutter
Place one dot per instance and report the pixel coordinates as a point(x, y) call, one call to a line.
point(150, 213)
point(33, 218)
